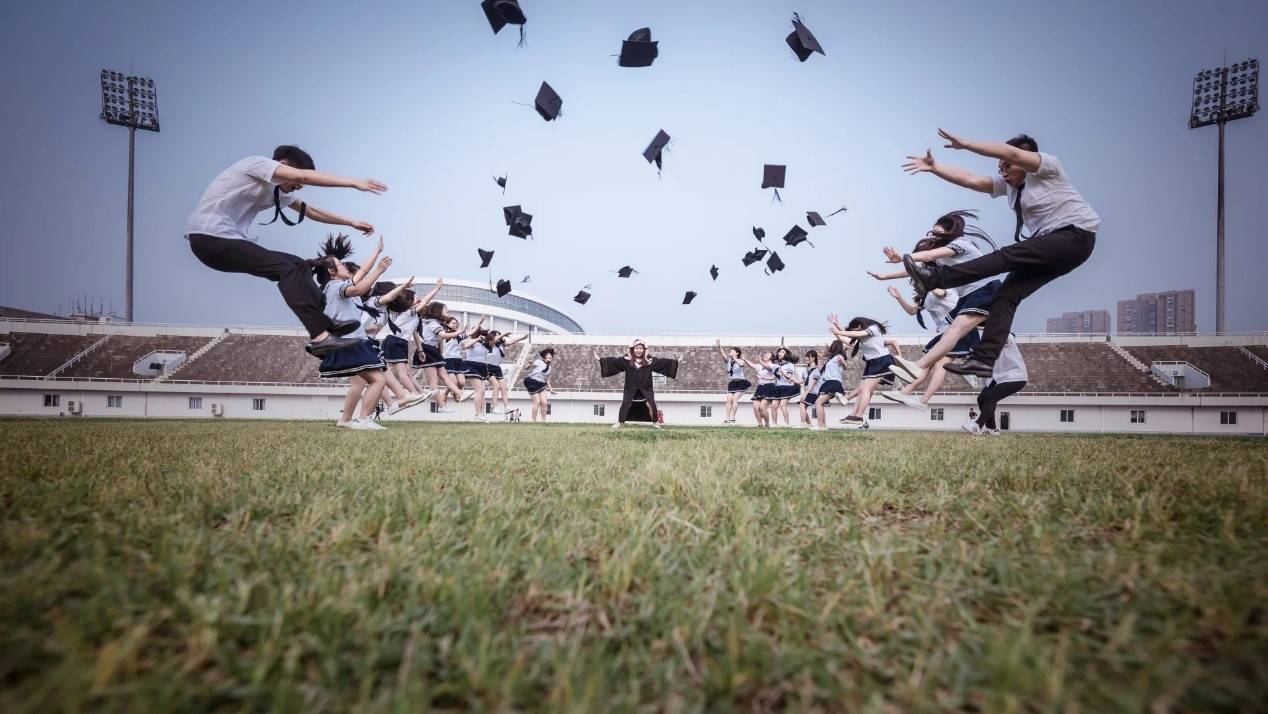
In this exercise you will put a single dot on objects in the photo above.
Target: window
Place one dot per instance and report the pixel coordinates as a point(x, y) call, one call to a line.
point(1067, 416)
point(548, 406)
point(1003, 421)
point(706, 411)
point(874, 413)
point(114, 401)
point(1138, 416)
point(598, 410)
point(1228, 418)
point(52, 400)
point(488, 407)
point(432, 407)
point(257, 404)
point(195, 402)
point(935, 414)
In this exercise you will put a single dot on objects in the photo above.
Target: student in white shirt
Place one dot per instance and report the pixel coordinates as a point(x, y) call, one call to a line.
point(939, 305)
point(537, 383)
point(497, 380)
point(217, 232)
point(868, 337)
point(764, 395)
point(402, 320)
point(1009, 378)
point(811, 382)
point(787, 384)
point(455, 370)
point(1062, 227)
point(736, 384)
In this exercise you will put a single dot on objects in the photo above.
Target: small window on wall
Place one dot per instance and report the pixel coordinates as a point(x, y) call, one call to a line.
point(936, 414)
point(488, 407)
point(195, 402)
point(1138, 416)
point(874, 413)
point(1067, 416)
point(257, 404)
point(1228, 418)
point(52, 400)
point(599, 409)
point(548, 406)
point(706, 412)
point(114, 401)
point(432, 407)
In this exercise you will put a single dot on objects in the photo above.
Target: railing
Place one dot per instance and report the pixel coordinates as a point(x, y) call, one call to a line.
point(87, 351)
point(1157, 367)
point(1258, 360)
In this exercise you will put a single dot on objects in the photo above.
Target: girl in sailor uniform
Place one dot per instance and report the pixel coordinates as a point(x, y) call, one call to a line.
point(495, 358)
point(427, 357)
point(868, 337)
point(374, 321)
point(765, 392)
point(537, 383)
point(811, 380)
point(403, 323)
point(736, 384)
point(939, 304)
point(787, 384)
point(455, 369)
point(477, 353)
point(830, 384)
point(359, 363)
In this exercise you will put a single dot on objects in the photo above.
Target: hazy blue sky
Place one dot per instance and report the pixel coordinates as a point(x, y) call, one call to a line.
point(419, 94)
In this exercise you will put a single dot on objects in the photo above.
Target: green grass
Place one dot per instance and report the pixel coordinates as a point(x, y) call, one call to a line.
point(182, 566)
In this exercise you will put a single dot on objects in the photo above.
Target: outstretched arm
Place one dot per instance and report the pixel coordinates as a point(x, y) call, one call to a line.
point(395, 292)
point(510, 341)
point(902, 302)
point(431, 294)
point(365, 284)
point(369, 263)
point(472, 330)
point(953, 174)
point(323, 216)
point(1022, 159)
point(718, 344)
point(313, 177)
point(923, 256)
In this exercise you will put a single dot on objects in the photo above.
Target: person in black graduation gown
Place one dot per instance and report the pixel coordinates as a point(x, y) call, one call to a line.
point(639, 402)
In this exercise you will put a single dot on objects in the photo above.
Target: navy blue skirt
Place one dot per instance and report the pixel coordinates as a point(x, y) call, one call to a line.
point(786, 391)
point(977, 302)
point(395, 349)
point(738, 386)
point(477, 369)
point(878, 368)
point(430, 357)
point(832, 386)
point(495, 371)
point(349, 361)
point(812, 397)
point(533, 386)
point(963, 347)
point(455, 365)
point(765, 392)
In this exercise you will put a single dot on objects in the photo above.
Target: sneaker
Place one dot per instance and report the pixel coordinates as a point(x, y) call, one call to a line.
point(499, 410)
point(366, 424)
point(655, 426)
point(970, 366)
point(817, 428)
point(922, 274)
point(344, 424)
point(393, 408)
point(413, 398)
point(910, 400)
point(466, 395)
point(990, 432)
point(427, 393)
point(482, 417)
point(617, 425)
point(971, 427)
point(320, 348)
point(447, 409)
point(854, 421)
point(907, 369)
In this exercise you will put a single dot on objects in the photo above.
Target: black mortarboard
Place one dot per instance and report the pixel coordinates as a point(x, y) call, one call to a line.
point(500, 181)
point(521, 223)
point(802, 40)
point(486, 257)
point(582, 297)
point(774, 264)
point(691, 295)
point(713, 272)
point(502, 13)
point(626, 271)
point(753, 256)
point(656, 148)
point(796, 235)
point(759, 233)
point(504, 287)
point(639, 50)
point(548, 103)
point(773, 177)
point(815, 219)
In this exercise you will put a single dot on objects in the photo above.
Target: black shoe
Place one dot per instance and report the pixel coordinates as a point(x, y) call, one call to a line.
point(920, 273)
point(330, 344)
point(343, 328)
point(971, 366)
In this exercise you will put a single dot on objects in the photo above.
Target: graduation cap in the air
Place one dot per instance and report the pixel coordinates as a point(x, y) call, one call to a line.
point(504, 287)
point(501, 181)
point(625, 272)
point(774, 264)
point(753, 256)
point(502, 13)
point(526, 279)
point(815, 219)
point(582, 296)
point(520, 223)
point(548, 103)
point(802, 40)
point(639, 50)
point(795, 236)
point(655, 150)
point(759, 233)
point(773, 177)
point(486, 257)
point(691, 295)
point(713, 272)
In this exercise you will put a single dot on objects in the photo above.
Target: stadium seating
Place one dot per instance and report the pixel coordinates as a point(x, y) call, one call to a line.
point(276, 359)
point(115, 358)
point(36, 354)
point(1087, 367)
point(1230, 370)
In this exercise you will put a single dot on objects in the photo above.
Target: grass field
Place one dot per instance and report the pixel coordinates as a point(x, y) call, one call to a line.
point(182, 566)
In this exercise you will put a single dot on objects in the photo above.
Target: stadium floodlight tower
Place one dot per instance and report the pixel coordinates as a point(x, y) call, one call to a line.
point(132, 102)
point(1221, 95)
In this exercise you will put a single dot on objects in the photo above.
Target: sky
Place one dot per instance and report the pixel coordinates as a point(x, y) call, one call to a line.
point(422, 95)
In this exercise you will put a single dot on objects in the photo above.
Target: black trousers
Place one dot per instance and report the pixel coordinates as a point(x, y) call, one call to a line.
point(1030, 264)
point(992, 396)
point(293, 275)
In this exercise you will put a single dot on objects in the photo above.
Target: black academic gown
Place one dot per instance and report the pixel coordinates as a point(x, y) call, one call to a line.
point(638, 384)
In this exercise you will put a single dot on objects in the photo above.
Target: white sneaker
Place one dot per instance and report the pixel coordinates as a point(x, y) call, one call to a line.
point(971, 427)
point(910, 400)
point(990, 432)
point(907, 369)
point(655, 426)
point(817, 428)
point(411, 399)
point(427, 394)
point(344, 424)
point(499, 410)
point(616, 425)
point(466, 395)
point(366, 425)
point(392, 408)
point(447, 409)
point(482, 417)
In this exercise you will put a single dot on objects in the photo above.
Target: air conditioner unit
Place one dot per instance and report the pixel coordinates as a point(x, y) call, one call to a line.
point(217, 410)
point(74, 407)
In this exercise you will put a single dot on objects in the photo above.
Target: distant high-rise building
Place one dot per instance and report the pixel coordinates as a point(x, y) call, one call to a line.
point(1166, 312)
point(1080, 323)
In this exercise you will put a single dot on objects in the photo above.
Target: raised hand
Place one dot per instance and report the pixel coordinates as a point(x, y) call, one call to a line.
point(953, 141)
point(892, 255)
point(893, 292)
point(596, 355)
point(379, 248)
point(876, 275)
point(370, 186)
point(919, 164)
point(385, 263)
point(409, 282)
point(366, 229)
point(834, 321)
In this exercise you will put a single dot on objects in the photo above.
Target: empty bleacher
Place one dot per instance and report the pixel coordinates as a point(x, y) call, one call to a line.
point(36, 354)
point(277, 359)
point(114, 359)
point(1084, 367)
point(1230, 369)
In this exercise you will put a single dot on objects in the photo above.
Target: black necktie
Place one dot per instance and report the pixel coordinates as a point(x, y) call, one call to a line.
point(1017, 210)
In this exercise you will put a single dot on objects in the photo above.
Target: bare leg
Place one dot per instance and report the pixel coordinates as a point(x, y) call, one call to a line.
point(400, 373)
point(479, 398)
point(356, 386)
point(963, 325)
point(936, 377)
point(865, 389)
point(376, 382)
point(821, 409)
point(394, 385)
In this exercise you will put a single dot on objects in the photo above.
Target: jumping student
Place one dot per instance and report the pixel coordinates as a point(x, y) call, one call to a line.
point(217, 233)
point(811, 381)
point(537, 383)
point(476, 348)
point(939, 305)
point(497, 380)
point(787, 384)
point(1062, 234)
point(1008, 378)
point(868, 337)
point(736, 384)
point(455, 371)
point(361, 364)
point(428, 358)
point(830, 384)
point(403, 324)
point(638, 401)
point(764, 395)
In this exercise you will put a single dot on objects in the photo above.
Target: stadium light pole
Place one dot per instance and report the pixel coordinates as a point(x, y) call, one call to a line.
point(1221, 95)
point(132, 102)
